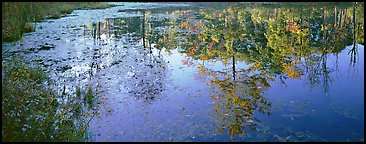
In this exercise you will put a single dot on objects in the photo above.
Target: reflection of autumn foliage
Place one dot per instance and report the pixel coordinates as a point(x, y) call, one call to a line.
point(187, 61)
point(205, 72)
point(211, 44)
point(292, 26)
point(255, 66)
point(236, 100)
point(224, 62)
point(271, 41)
point(291, 70)
point(192, 50)
point(204, 57)
point(184, 25)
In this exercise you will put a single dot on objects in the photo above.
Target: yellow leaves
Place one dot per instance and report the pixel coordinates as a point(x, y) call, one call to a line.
point(202, 70)
point(228, 106)
point(323, 28)
point(216, 107)
point(288, 70)
point(213, 96)
point(237, 101)
point(104, 25)
point(224, 62)
point(298, 61)
point(227, 45)
point(326, 27)
point(291, 70)
point(243, 35)
point(245, 104)
point(256, 66)
point(215, 38)
point(204, 57)
point(291, 74)
point(235, 98)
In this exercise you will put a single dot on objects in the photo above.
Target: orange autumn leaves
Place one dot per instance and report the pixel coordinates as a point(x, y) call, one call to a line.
point(236, 100)
point(188, 62)
point(292, 26)
point(291, 70)
point(194, 48)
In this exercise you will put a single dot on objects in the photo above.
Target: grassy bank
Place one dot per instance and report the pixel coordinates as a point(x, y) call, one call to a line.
point(18, 17)
point(34, 110)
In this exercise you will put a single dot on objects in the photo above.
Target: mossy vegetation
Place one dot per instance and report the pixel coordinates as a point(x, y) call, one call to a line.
point(32, 110)
point(17, 17)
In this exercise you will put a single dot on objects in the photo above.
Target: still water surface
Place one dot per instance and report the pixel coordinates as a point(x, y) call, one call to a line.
point(211, 72)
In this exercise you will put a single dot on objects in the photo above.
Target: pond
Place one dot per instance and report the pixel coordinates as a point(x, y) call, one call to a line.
point(211, 71)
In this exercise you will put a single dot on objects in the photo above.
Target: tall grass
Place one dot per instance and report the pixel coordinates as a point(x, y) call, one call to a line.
point(32, 110)
point(31, 107)
point(17, 16)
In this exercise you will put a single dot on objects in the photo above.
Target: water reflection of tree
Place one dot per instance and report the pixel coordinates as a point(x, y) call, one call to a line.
point(148, 69)
point(292, 34)
point(115, 28)
point(358, 35)
point(237, 94)
point(237, 99)
point(282, 42)
point(148, 79)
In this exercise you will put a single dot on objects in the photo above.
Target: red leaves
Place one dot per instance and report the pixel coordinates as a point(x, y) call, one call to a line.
point(211, 44)
point(292, 26)
point(192, 50)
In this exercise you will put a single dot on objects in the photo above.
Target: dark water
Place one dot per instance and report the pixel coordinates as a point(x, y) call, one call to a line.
point(212, 72)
